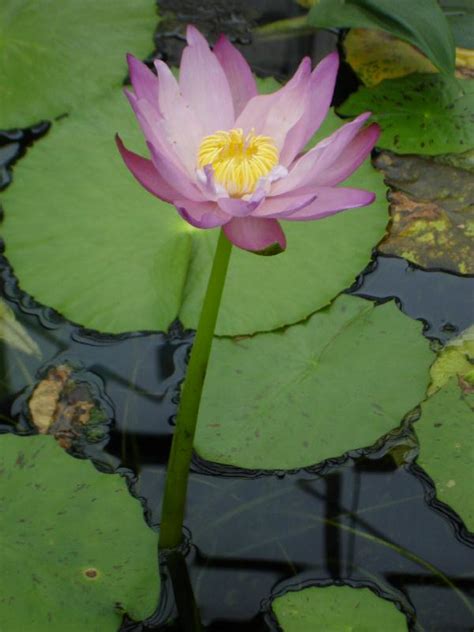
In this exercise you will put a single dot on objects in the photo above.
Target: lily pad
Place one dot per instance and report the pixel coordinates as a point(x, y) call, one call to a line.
point(455, 359)
point(376, 55)
point(337, 608)
point(86, 239)
point(445, 432)
point(293, 398)
point(432, 209)
point(421, 113)
point(75, 546)
point(56, 54)
point(460, 15)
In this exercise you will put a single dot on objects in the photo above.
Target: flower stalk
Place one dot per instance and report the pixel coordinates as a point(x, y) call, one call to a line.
point(174, 500)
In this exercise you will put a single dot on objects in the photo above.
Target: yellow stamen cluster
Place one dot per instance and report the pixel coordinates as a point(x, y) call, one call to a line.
point(238, 162)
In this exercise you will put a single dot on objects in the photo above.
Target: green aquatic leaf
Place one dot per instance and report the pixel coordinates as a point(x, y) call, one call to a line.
point(445, 430)
point(292, 398)
point(337, 609)
point(86, 239)
point(455, 359)
point(56, 54)
point(406, 20)
point(75, 547)
point(420, 114)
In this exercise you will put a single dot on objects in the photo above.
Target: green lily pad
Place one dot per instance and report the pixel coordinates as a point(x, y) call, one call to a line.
point(86, 239)
point(421, 114)
point(56, 54)
point(337, 382)
point(455, 359)
point(445, 432)
point(75, 547)
point(14, 334)
point(432, 209)
point(337, 609)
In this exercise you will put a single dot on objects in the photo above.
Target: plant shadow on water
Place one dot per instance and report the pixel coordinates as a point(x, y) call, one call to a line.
point(367, 519)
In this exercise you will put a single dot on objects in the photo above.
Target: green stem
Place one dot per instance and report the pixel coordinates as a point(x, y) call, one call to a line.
point(177, 475)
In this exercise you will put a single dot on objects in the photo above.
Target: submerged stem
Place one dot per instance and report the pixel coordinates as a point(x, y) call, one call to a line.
point(177, 475)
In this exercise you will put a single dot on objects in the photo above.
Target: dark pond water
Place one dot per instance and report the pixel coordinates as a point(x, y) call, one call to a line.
point(367, 519)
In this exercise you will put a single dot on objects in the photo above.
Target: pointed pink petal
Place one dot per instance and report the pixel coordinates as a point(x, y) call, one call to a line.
point(180, 126)
point(237, 207)
point(241, 80)
point(307, 169)
point(256, 234)
point(275, 114)
point(284, 205)
point(144, 82)
point(331, 200)
point(352, 157)
point(201, 214)
point(176, 177)
point(204, 85)
point(146, 174)
point(317, 101)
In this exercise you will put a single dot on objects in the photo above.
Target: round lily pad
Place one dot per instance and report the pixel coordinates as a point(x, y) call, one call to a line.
point(314, 391)
point(75, 547)
point(55, 54)
point(337, 609)
point(445, 432)
point(86, 239)
point(420, 114)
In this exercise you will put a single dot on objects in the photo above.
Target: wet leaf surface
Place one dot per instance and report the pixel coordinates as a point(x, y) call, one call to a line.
point(445, 430)
point(88, 246)
point(75, 547)
point(336, 608)
point(421, 114)
point(335, 383)
point(432, 210)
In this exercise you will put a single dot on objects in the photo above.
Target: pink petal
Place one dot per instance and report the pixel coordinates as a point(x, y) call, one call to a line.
point(352, 157)
point(146, 174)
point(176, 177)
point(284, 205)
point(256, 234)
point(237, 207)
point(317, 101)
point(331, 200)
point(201, 214)
point(318, 160)
point(152, 127)
point(180, 125)
point(275, 114)
point(241, 80)
point(144, 82)
point(204, 85)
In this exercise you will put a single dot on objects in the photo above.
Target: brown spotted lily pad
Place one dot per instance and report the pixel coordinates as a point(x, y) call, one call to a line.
point(65, 404)
point(432, 210)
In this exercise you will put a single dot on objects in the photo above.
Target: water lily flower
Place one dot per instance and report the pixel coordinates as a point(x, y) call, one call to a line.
point(224, 155)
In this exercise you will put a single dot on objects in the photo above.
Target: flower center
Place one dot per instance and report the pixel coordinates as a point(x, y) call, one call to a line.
point(238, 161)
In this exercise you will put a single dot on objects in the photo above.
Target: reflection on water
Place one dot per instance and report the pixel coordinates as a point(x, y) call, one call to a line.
point(366, 519)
